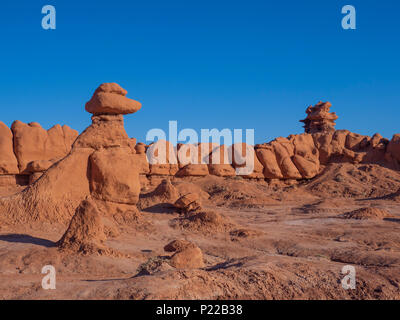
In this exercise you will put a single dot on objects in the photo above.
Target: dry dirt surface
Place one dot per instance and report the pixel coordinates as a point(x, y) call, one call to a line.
point(252, 239)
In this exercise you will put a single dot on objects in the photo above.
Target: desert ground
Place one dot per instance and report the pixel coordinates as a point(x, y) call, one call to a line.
point(269, 241)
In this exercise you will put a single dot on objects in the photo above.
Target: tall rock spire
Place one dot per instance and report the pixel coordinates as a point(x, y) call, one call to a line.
point(319, 119)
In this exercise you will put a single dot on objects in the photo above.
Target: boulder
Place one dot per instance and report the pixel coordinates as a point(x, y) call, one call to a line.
point(140, 148)
point(114, 176)
point(109, 98)
point(189, 202)
point(187, 255)
point(166, 192)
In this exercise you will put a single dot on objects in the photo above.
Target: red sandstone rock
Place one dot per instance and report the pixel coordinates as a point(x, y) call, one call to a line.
point(86, 230)
point(32, 142)
point(104, 132)
point(38, 166)
point(319, 119)
point(140, 148)
point(244, 156)
point(187, 255)
point(393, 148)
point(162, 158)
point(188, 202)
point(166, 192)
point(267, 157)
point(109, 98)
point(178, 245)
point(193, 170)
point(8, 161)
point(284, 150)
point(220, 162)
point(114, 176)
point(306, 158)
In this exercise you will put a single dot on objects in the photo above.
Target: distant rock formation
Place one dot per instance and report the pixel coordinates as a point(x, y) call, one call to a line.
point(32, 142)
point(319, 119)
point(8, 161)
point(105, 162)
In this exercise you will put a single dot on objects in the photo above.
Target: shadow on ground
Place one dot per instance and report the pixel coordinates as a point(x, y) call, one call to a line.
point(25, 238)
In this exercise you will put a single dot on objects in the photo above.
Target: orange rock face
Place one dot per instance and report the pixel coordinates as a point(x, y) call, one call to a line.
point(306, 155)
point(267, 157)
point(8, 161)
point(105, 131)
point(284, 151)
point(32, 142)
point(393, 149)
point(245, 161)
point(114, 176)
point(38, 166)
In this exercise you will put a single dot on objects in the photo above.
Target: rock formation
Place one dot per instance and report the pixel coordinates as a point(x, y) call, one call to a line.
point(8, 161)
point(107, 161)
point(193, 159)
point(165, 194)
point(114, 176)
point(186, 255)
point(32, 142)
point(109, 98)
point(162, 158)
point(189, 202)
point(220, 162)
point(100, 164)
point(244, 156)
point(319, 119)
point(85, 232)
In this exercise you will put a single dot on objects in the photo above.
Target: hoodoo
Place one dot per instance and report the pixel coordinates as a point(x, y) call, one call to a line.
point(319, 119)
point(101, 164)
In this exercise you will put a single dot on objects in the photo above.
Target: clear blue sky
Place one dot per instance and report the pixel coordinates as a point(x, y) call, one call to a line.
point(206, 64)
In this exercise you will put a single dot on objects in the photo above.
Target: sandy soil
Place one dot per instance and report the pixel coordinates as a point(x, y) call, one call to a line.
point(278, 241)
